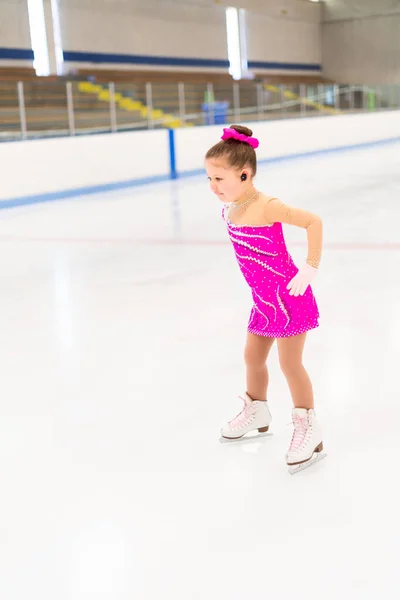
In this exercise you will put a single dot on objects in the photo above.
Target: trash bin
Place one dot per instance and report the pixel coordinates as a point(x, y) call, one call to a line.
point(216, 113)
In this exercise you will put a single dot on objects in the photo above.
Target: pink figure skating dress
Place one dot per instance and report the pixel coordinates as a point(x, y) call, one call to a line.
point(267, 267)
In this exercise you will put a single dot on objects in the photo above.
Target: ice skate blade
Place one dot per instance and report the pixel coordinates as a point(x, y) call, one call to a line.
point(293, 469)
point(246, 438)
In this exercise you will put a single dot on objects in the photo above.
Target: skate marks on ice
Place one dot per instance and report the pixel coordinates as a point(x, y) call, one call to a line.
point(317, 457)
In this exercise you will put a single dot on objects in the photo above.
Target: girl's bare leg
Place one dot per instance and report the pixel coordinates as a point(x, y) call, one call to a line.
point(291, 361)
point(255, 355)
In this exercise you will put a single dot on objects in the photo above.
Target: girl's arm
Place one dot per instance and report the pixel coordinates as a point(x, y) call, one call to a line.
point(276, 211)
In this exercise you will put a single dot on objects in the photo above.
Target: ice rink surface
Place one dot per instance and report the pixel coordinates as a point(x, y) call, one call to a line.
point(123, 322)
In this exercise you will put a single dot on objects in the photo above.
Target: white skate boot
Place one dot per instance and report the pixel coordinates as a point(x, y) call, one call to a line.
point(306, 445)
point(254, 416)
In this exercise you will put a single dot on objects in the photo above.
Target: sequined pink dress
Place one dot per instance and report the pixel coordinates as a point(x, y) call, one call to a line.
point(267, 266)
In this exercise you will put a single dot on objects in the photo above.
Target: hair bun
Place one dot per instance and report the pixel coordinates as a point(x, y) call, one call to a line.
point(241, 129)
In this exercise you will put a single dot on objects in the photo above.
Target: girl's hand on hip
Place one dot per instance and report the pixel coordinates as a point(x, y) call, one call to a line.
point(302, 280)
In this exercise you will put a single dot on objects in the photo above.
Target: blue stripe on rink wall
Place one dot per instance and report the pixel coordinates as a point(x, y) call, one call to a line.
point(166, 61)
point(174, 174)
point(139, 59)
point(82, 191)
point(162, 61)
point(259, 64)
point(16, 54)
point(171, 61)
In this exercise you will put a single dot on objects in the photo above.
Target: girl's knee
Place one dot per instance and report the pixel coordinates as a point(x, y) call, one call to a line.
point(253, 358)
point(290, 366)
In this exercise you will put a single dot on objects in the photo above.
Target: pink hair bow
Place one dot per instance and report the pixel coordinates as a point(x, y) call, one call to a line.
point(232, 133)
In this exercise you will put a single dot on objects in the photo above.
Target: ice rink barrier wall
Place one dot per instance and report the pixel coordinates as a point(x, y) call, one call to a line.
point(52, 169)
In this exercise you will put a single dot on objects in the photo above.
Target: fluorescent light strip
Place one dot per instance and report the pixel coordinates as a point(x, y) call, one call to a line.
point(38, 37)
point(243, 41)
point(55, 14)
point(233, 41)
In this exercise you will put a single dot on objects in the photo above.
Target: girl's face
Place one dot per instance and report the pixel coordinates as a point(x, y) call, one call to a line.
point(225, 181)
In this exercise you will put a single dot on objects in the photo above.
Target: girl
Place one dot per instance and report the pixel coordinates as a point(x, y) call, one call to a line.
point(283, 303)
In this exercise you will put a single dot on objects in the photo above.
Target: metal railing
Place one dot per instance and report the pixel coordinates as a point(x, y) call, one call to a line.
point(40, 109)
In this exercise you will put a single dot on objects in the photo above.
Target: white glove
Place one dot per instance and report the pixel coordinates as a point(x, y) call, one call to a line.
point(302, 280)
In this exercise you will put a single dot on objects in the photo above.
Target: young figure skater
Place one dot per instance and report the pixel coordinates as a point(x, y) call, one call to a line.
point(283, 303)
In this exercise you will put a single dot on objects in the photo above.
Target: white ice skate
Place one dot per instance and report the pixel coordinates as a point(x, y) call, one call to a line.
point(255, 416)
point(306, 445)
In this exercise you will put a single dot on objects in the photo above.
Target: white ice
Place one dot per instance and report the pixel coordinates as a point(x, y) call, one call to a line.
point(123, 321)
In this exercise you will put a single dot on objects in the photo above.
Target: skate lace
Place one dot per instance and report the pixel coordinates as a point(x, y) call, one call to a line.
point(299, 434)
point(244, 415)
